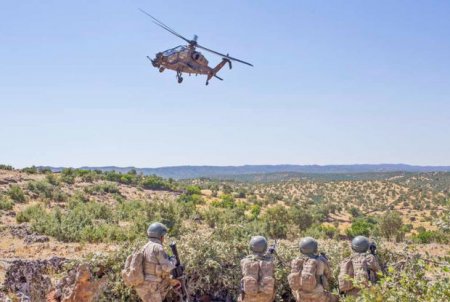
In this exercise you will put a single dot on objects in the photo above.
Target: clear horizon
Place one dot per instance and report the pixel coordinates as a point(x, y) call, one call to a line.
point(188, 165)
point(333, 83)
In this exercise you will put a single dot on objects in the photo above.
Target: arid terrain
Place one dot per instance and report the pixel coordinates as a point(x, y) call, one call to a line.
point(96, 218)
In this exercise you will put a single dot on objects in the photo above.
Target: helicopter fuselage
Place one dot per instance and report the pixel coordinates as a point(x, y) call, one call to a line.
point(185, 59)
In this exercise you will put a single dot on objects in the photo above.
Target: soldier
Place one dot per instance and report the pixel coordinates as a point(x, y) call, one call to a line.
point(310, 274)
point(157, 267)
point(355, 271)
point(258, 282)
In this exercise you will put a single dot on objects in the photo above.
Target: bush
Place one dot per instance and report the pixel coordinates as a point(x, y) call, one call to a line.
point(103, 188)
point(5, 203)
point(360, 226)
point(30, 170)
point(193, 190)
point(407, 284)
point(16, 194)
point(6, 167)
point(431, 236)
point(300, 218)
point(390, 225)
point(275, 222)
point(226, 201)
point(30, 213)
point(68, 176)
point(154, 182)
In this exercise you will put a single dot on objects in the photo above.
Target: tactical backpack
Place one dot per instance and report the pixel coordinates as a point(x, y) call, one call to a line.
point(257, 277)
point(133, 271)
point(352, 269)
point(304, 275)
point(346, 275)
point(294, 276)
point(308, 278)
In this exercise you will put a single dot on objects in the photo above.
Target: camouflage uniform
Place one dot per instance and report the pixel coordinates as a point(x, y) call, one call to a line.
point(323, 274)
point(358, 260)
point(266, 290)
point(157, 268)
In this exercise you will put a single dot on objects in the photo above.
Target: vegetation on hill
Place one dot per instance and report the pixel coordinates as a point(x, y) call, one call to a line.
point(212, 221)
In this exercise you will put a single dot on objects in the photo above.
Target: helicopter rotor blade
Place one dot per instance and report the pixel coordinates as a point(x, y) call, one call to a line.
point(164, 26)
point(223, 55)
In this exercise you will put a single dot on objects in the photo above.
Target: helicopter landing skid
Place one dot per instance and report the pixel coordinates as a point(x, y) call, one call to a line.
point(179, 77)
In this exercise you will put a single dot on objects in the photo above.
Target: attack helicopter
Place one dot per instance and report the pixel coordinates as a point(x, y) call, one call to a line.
point(186, 59)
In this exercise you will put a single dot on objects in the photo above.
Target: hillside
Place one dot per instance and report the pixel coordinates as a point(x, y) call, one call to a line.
point(184, 172)
point(94, 219)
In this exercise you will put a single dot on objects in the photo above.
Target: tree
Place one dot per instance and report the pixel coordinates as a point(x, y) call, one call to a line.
point(360, 226)
point(275, 221)
point(301, 218)
point(391, 225)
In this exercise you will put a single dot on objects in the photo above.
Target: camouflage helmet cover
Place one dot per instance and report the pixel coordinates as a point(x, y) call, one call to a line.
point(156, 230)
point(308, 246)
point(360, 244)
point(258, 244)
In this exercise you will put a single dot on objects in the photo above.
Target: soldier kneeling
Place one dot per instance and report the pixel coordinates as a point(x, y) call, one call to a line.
point(258, 282)
point(310, 274)
point(354, 271)
point(148, 270)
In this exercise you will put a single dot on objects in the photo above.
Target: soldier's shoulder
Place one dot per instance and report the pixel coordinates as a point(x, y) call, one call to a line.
point(323, 258)
point(371, 257)
point(297, 260)
point(267, 257)
point(155, 246)
point(248, 258)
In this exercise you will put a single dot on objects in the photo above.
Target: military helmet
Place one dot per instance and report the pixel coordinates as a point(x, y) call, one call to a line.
point(156, 230)
point(308, 246)
point(258, 244)
point(360, 244)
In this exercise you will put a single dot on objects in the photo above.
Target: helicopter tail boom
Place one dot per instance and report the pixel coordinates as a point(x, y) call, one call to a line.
point(216, 69)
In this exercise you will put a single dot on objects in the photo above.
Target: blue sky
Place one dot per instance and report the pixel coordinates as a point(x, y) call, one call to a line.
point(334, 82)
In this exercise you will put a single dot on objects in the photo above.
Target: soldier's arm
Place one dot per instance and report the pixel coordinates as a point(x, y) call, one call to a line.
point(166, 264)
point(327, 270)
point(373, 263)
point(296, 265)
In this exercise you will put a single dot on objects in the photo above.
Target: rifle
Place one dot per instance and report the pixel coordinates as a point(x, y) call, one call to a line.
point(322, 279)
point(273, 248)
point(178, 273)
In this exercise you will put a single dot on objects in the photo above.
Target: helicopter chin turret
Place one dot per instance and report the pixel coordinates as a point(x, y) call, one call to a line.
point(156, 62)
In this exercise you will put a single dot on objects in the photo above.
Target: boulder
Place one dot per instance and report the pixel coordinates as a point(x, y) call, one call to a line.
point(80, 285)
point(29, 279)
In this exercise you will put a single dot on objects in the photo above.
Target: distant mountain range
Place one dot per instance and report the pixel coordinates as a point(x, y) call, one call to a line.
point(184, 172)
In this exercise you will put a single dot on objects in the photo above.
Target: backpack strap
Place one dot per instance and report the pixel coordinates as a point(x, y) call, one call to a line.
point(144, 247)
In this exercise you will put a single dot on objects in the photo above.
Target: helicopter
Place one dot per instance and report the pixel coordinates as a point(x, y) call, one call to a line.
point(186, 59)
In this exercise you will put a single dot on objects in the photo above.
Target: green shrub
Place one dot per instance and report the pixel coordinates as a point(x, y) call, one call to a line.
point(42, 188)
point(6, 167)
point(5, 203)
point(226, 201)
point(431, 236)
point(31, 213)
point(154, 182)
point(193, 190)
point(68, 176)
point(16, 194)
point(300, 218)
point(390, 225)
point(30, 170)
point(275, 222)
point(191, 198)
point(103, 188)
point(360, 226)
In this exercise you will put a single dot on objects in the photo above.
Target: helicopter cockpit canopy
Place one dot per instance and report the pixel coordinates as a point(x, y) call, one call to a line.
point(174, 50)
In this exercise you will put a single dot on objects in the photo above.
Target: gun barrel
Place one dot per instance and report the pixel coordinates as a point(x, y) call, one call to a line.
point(173, 247)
